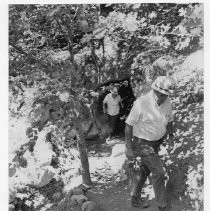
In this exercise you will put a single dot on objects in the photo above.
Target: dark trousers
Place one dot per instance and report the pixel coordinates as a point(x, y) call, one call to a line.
point(112, 124)
point(149, 163)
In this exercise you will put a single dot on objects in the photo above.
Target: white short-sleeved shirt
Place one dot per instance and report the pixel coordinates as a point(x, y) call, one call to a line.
point(113, 107)
point(149, 120)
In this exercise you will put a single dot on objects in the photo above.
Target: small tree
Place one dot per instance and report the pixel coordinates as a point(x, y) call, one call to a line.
point(31, 27)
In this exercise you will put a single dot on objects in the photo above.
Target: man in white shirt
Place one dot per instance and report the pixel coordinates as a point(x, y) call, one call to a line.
point(111, 106)
point(149, 121)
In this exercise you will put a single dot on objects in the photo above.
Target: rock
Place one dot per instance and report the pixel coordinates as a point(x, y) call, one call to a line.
point(12, 194)
point(23, 162)
point(38, 157)
point(90, 129)
point(12, 171)
point(88, 206)
point(69, 195)
point(79, 199)
point(93, 133)
point(90, 194)
point(78, 191)
point(11, 207)
point(45, 175)
point(69, 204)
point(64, 205)
point(56, 196)
point(84, 187)
point(118, 149)
point(60, 205)
point(32, 175)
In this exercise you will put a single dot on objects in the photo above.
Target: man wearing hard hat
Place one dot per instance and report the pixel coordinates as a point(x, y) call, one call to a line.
point(149, 122)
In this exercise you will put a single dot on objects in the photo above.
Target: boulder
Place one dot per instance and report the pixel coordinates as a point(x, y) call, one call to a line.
point(61, 206)
point(65, 204)
point(90, 129)
point(79, 199)
point(44, 176)
point(88, 206)
point(84, 187)
point(93, 133)
point(44, 159)
point(11, 207)
point(69, 195)
point(56, 196)
point(78, 191)
point(33, 175)
point(41, 156)
point(90, 194)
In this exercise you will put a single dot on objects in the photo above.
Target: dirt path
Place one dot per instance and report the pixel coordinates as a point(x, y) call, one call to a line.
point(116, 198)
point(115, 195)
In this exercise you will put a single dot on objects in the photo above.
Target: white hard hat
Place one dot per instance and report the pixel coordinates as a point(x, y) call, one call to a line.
point(164, 84)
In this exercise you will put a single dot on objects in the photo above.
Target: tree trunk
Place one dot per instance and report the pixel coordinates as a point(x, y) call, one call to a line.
point(82, 151)
point(77, 123)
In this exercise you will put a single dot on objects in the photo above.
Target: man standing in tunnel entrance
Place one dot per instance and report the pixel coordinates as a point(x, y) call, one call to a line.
point(111, 106)
point(149, 122)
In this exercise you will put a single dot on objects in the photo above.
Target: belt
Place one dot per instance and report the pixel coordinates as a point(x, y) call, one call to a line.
point(147, 141)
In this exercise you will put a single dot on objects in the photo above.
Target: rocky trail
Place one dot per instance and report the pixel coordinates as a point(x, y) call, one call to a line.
point(115, 195)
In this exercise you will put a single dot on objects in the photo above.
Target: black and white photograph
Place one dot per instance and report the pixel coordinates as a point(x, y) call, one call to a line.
point(105, 106)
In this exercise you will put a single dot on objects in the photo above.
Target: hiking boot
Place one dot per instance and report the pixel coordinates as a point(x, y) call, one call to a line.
point(138, 202)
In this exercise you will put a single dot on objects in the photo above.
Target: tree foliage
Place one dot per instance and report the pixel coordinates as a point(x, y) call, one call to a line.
point(103, 46)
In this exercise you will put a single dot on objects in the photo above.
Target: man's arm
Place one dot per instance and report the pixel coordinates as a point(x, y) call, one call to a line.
point(128, 139)
point(131, 120)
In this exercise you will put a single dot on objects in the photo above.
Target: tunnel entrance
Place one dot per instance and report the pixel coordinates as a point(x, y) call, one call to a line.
point(126, 93)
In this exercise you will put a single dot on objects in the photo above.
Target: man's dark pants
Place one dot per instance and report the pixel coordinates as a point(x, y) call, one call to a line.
point(112, 124)
point(150, 163)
